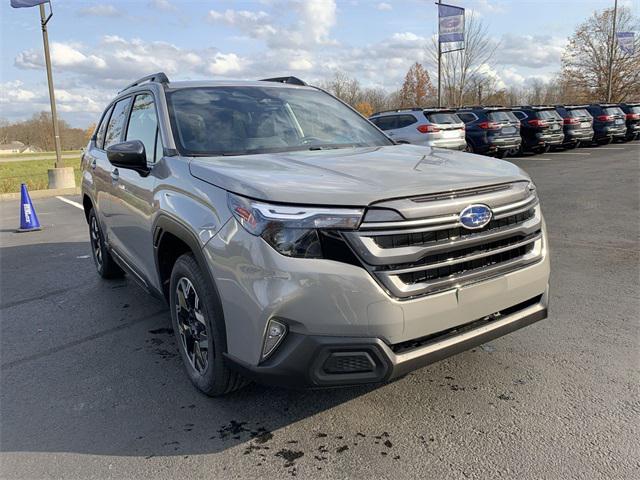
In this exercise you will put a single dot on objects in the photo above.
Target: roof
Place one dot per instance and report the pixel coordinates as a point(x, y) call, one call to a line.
point(230, 83)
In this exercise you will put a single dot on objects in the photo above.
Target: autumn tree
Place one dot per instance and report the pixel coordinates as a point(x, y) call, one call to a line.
point(88, 133)
point(364, 108)
point(417, 90)
point(588, 56)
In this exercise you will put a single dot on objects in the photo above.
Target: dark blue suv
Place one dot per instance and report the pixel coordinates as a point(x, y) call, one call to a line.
point(490, 130)
point(540, 127)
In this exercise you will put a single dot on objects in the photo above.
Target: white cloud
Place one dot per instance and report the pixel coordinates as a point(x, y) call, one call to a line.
point(164, 5)
point(312, 26)
point(225, 63)
point(12, 92)
point(532, 51)
point(100, 10)
point(384, 7)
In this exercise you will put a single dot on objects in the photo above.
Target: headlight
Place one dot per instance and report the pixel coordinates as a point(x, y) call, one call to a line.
point(292, 230)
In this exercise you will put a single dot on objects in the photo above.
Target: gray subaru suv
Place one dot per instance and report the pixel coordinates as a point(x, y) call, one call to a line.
point(296, 244)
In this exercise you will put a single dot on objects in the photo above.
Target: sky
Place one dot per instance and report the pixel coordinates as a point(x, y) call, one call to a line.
point(99, 47)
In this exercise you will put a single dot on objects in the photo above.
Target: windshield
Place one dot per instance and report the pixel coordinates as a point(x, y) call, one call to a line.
point(443, 118)
point(578, 112)
point(512, 117)
point(249, 120)
point(500, 116)
point(613, 111)
point(549, 115)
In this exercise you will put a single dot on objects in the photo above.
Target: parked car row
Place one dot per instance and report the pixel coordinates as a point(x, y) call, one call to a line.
point(498, 130)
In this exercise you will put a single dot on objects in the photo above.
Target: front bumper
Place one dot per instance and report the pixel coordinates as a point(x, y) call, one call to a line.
point(309, 361)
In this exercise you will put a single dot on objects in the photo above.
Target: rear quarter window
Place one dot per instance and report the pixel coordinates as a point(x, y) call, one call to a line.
point(103, 128)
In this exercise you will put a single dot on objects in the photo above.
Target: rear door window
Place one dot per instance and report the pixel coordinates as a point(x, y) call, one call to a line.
point(143, 124)
point(443, 118)
point(405, 121)
point(520, 115)
point(117, 122)
point(386, 123)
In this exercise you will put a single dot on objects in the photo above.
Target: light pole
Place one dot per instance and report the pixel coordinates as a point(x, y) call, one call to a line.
point(44, 19)
point(612, 50)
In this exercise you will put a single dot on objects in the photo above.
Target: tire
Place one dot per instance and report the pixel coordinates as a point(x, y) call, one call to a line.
point(105, 265)
point(468, 148)
point(604, 141)
point(540, 150)
point(501, 154)
point(571, 146)
point(197, 317)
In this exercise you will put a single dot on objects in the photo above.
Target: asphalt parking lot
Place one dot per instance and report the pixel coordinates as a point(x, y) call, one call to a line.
point(91, 385)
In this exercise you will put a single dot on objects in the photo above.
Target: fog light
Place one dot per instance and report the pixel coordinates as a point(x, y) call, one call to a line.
point(275, 333)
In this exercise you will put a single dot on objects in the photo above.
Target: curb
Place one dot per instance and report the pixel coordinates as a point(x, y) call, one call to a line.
point(42, 193)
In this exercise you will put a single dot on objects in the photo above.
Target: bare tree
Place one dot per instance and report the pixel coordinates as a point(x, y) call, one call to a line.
point(459, 68)
point(585, 62)
point(344, 87)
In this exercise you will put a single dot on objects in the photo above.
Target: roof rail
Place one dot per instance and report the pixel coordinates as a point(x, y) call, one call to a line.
point(159, 77)
point(289, 80)
point(398, 110)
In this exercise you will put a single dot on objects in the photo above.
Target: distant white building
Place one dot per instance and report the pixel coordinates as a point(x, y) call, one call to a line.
point(17, 147)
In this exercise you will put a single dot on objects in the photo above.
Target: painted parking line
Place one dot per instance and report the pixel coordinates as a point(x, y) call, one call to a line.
point(71, 202)
point(569, 153)
point(610, 148)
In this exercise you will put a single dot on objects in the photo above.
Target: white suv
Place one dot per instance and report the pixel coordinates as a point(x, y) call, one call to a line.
point(432, 127)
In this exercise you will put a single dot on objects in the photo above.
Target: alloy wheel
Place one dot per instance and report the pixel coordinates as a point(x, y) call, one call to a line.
point(95, 241)
point(192, 325)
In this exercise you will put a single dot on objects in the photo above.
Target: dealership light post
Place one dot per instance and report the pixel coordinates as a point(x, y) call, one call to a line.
point(612, 50)
point(44, 19)
point(60, 176)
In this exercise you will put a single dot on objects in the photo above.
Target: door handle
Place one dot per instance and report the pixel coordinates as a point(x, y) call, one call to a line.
point(115, 175)
point(94, 164)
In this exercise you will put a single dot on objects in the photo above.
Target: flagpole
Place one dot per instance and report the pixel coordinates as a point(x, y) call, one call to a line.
point(54, 117)
point(439, 59)
point(612, 51)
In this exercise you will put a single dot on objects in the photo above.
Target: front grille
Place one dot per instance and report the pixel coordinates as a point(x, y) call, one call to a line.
point(433, 253)
point(422, 238)
point(446, 271)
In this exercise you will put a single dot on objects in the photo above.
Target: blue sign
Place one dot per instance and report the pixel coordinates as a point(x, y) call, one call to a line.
point(451, 26)
point(475, 216)
point(626, 42)
point(27, 3)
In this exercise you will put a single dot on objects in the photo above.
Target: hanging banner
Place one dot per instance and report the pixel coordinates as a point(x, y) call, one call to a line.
point(626, 42)
point(27, 3)
point(451, 26)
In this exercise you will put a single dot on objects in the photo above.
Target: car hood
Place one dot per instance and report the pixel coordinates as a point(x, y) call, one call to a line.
point(352, 177)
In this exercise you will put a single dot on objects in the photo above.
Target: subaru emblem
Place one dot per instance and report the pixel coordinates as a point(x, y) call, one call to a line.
point(475, 216)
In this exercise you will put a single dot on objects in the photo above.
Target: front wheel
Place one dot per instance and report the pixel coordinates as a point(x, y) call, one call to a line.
point(196, 314)
point(105, 265)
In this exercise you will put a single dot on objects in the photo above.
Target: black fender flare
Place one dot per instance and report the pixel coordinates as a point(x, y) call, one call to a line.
point(167, 224)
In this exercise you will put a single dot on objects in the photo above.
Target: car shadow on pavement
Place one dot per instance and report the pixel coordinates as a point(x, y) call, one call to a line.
point(91, 366)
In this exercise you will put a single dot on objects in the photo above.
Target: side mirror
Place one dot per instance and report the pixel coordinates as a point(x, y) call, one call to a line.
point(129, 155)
